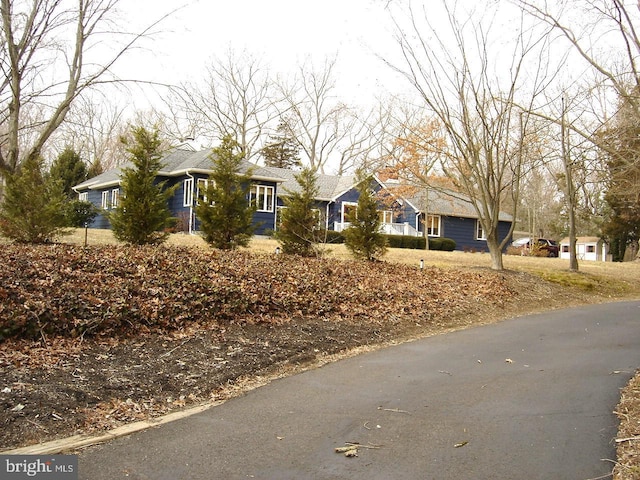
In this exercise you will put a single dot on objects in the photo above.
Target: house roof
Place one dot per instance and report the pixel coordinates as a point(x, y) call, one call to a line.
point(175, 163)
point(330, 187)
point(447, 202)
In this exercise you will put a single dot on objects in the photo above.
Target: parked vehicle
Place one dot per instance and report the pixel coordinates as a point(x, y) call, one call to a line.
point(545, 245)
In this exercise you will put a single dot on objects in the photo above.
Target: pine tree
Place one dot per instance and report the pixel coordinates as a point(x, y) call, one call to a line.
point(299, 231)
point(32, 210)
point(142, 215)
point(282, 150)
point(224, 210)
point(95, 169)
point(363, 237)
point(69, 169)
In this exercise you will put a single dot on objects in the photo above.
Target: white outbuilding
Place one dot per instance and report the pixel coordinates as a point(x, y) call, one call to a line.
point(587, 248)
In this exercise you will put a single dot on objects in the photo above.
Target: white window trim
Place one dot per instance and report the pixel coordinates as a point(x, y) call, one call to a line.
point(386, 216)
point(115, 195)
point(187, 197)
point(83, 196)
point(269, 193)
point(480, 234)
point(343, 215)
point(201, 189)
point(429, 226)
point(105, 200)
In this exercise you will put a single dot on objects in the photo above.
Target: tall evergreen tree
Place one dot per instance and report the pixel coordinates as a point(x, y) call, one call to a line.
point(363, 237)
point(69, 169)
point(142, 215)
point(299, 230)
point(621, 146)
point(282, 149)
point(32, 210)
point(224, 210)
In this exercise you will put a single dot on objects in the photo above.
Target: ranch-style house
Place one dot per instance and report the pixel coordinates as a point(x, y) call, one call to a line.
point(434, 212)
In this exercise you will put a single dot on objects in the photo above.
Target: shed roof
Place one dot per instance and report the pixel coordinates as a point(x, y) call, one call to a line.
point(582, 240)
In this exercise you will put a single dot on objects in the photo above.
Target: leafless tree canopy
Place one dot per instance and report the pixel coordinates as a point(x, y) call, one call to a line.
point(51, 51)
point(470, 81)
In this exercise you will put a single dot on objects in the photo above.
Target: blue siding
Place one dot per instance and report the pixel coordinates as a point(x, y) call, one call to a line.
point(463, 232)
point(265, 221)
point(95, 197)
point(335, 208)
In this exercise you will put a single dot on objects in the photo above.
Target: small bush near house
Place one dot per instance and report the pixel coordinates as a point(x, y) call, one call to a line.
point(142, 215)
point(405, 241)
point(334, 237)
point(442, 244)
point(435, 244)
point(363, 237)
point(301, 229)
point(448, 245)
point(226, 218)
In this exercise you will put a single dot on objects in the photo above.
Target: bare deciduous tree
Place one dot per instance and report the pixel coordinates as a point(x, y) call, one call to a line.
point(46, 53)
point(469, 80)
point(320, 122)
point(94, 128)
point(603, 32)
point(236, 100)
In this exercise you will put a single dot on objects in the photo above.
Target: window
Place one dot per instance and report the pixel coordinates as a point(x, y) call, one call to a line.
point(187, 198)
point(349, 209)
point(115, 194)
point(386, 216)
point(279, 211)
point(262, 197)
point(591, 249)
point(480, 235)
point(105, 200)
point(565, 248)
point(432, 225)
point(83, 197)
point(201, 190)
point(319, 214)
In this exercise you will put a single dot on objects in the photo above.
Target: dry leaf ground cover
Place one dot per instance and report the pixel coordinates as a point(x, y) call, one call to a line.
point(100, 336)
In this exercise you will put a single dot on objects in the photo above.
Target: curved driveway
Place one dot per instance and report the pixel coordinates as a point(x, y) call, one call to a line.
point(529, 398)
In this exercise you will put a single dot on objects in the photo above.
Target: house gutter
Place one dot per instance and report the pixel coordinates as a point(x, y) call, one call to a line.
point(188, 174)
point(326, 216)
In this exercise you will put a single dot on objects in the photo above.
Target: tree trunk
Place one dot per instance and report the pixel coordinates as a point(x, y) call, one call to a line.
point(495, 252)
point(569, 191)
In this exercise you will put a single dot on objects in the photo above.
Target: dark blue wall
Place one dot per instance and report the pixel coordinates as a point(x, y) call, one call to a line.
point(463, 232)
point(265, 221)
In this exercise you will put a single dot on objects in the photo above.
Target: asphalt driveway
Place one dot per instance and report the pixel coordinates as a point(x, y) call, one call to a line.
point(529, 398)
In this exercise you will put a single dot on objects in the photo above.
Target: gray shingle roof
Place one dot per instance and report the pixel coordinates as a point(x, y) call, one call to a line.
point(175, 163)
point(444, 202)
point(329, 186)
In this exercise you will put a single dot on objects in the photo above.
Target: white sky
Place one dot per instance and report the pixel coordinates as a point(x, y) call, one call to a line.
point(281, 32)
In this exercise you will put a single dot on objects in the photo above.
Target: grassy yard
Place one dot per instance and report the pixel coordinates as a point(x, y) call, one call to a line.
point(611, 279)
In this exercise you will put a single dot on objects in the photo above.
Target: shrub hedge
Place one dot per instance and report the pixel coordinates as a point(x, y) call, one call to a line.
point(404, 241)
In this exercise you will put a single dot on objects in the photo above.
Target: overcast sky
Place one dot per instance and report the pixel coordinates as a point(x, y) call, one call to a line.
point(280, 32)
